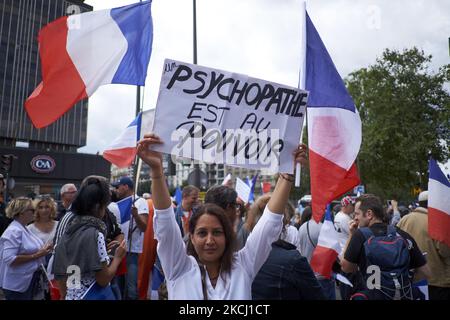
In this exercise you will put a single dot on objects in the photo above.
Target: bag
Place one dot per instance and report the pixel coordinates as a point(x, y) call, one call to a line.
point(391, 254)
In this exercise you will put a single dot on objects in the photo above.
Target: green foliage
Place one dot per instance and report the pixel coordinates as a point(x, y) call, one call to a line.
point(405, 112)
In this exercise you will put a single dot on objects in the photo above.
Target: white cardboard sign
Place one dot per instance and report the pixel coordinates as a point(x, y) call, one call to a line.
point(221, 117)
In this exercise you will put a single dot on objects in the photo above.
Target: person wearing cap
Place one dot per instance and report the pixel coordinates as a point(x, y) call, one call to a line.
point(134, 235)
point(342, 222)
point(343, 217)
point(436, 253)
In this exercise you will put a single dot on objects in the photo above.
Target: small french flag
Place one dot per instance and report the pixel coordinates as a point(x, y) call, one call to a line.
point(328, 247)
point(125, 209)
point(122, 150)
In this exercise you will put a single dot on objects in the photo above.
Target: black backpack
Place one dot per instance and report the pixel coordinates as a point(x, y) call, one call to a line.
point(391, 254)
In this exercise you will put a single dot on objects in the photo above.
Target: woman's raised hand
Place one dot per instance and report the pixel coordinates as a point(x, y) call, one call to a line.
point(301, 155)
point(150, 157)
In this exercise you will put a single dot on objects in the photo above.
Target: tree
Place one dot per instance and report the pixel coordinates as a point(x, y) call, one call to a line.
point(405, 112)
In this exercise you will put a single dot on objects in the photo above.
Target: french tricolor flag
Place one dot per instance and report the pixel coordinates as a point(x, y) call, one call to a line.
point(327, 249)
point(81, 52)
point(122, 150)
point(438, 204)
point(334, 126)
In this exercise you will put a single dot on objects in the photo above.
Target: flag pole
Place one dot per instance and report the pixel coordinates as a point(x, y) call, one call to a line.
point(301, 83)
point(194, 38)
point(137, 160)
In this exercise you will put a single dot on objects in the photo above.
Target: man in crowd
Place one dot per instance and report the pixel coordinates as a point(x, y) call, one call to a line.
point(437, 253)
point(68, 192)
point(134, 235)
point(372, 246)
point(185, 209)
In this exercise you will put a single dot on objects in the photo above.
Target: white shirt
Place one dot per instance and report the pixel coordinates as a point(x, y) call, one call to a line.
point(341, 223)
point(18, 240)
point(306, 247)
point(291, 235)
point(137, 237)
point(183, 272)
point(45, 237)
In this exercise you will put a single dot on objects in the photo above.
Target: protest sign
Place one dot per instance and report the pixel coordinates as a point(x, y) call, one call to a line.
point(221, 117)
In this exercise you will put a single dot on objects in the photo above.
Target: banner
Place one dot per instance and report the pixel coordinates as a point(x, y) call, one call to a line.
point(221, 117)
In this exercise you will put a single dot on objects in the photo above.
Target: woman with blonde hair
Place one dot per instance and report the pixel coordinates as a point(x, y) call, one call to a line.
point(44, 226)
point(21, 254)
point(288, 233)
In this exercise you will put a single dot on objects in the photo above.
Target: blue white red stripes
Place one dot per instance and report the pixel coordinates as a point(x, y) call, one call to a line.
point(438, 204)
point(124, 206)
point(122, 150)
point(334, 126)
point(328, 248)
point(84, 51)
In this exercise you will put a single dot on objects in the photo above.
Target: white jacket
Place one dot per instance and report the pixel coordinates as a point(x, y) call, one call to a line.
point(18, 240)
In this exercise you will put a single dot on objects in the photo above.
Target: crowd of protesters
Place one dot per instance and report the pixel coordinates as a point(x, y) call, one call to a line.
point(220, 248)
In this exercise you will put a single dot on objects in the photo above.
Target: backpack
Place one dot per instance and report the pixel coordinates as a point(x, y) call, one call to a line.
point(391, 254)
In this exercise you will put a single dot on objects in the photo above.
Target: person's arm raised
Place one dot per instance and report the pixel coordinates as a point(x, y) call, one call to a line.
point(280, 195)
point(160, 193)
point(171, 250)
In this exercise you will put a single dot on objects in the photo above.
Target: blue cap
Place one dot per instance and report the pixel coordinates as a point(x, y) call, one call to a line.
point(124, 181)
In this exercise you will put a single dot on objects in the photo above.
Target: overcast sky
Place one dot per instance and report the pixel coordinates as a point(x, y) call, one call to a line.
point(261, 38)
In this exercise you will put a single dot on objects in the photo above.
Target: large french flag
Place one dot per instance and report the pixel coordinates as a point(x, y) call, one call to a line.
point(81, 52)
point(328, 247)
point(334, 126)
point(438, 204)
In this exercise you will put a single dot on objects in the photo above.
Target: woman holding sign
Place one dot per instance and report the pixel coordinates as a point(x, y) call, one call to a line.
point(210, 268)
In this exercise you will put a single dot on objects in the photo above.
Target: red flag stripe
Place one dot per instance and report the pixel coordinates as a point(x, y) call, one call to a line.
point(322, 260)
point(122, 158)
point(439, 225)
point(328, 182)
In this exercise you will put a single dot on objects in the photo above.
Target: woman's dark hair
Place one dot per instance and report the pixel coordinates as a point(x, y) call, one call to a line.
point(92, 197)
point(306, 215)
point(222, 196)
point(230, 237)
